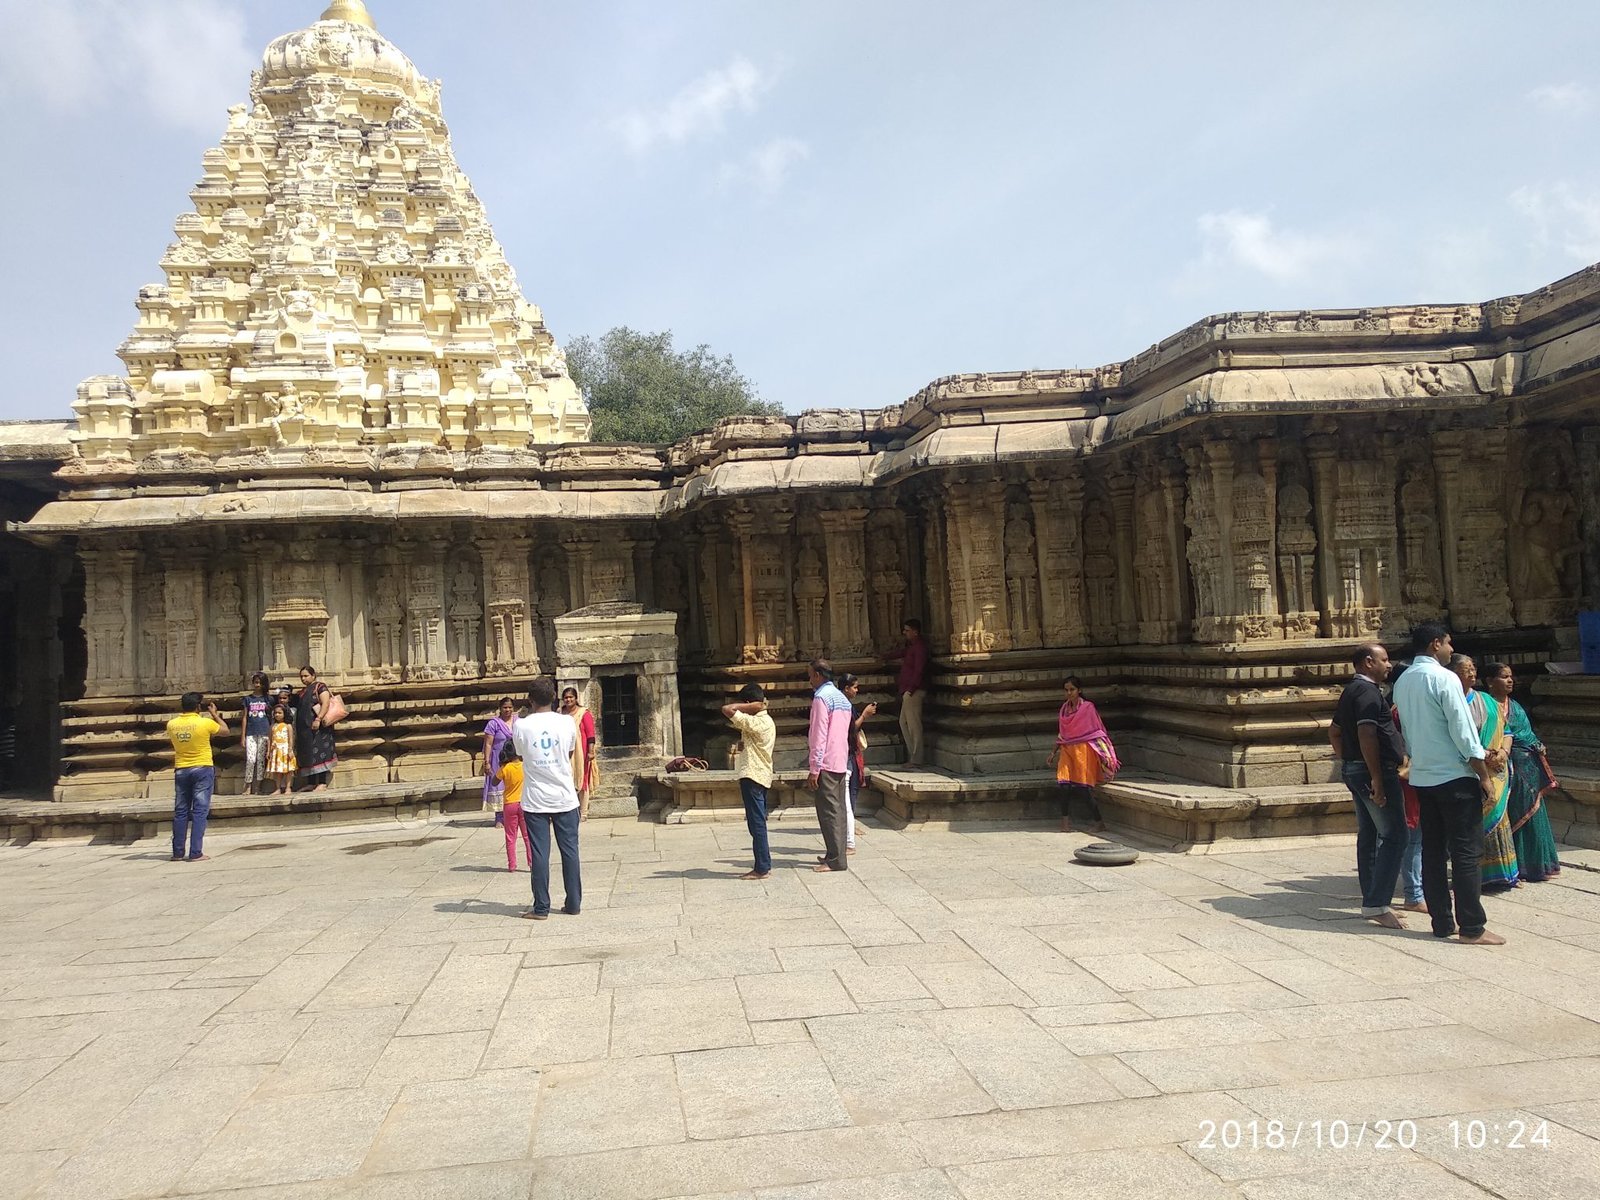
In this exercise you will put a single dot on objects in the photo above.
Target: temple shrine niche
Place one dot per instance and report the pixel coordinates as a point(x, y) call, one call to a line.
point(344, 436)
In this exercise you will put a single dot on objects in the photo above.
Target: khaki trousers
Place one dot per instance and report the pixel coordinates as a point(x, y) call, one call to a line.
point(911, 725)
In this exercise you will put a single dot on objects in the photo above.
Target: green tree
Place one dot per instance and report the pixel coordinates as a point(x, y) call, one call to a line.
point(639, 389)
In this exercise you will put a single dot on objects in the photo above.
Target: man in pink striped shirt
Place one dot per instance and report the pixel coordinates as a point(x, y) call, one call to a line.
point(829, 763)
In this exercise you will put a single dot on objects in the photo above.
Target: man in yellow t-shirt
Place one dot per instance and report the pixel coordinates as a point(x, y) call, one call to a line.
point(194, 776)
point(754, 765)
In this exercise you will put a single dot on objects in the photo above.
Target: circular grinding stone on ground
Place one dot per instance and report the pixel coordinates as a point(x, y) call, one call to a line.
point(1105, 854)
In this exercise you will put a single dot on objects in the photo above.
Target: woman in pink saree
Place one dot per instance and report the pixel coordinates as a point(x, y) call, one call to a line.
point(1083, 756)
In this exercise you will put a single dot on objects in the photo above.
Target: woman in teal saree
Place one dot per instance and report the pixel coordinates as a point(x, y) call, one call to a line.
point(1499, 861)
point(1537, 856)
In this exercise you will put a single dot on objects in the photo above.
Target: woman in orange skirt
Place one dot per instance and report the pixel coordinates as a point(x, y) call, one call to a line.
point(1083, 756)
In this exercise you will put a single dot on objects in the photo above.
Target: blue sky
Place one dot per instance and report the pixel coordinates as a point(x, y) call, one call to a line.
point(853, 199)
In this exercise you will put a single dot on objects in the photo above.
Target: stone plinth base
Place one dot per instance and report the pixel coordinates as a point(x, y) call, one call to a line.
point(129, 819)
point(1574, 808)
point(1181, 815)
point(683, 796)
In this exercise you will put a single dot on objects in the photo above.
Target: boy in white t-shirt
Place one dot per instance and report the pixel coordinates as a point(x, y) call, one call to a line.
point(552, 767)
point(754, 766)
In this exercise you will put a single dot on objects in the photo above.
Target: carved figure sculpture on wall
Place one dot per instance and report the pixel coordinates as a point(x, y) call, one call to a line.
point(552, 597)
point(425, 622)
point(810, 589)
point(1363, 535)
point(1545, 557)
point(1203, 549)
point(771, 608)
point(1252, 539)
point(1297, 560)
point(888, 589)
point(152, 624)
point(1421, 586)
point(1149, 560)
point(466, 613)
point(284, 409)
point(107, 624)
point(388, 626)
point(227, 627)
point(1100, 572)
point(1022, 577)
point(183, 628)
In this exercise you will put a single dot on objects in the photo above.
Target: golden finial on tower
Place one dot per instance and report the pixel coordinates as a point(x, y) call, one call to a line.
point(353, 11)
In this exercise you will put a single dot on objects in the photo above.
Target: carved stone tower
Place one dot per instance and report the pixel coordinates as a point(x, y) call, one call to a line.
point(336, 289)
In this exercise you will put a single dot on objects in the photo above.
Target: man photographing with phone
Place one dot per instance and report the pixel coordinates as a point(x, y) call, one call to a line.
point(194, 775)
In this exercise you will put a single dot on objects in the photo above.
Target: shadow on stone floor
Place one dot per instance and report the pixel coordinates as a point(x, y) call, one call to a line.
point(480, 908)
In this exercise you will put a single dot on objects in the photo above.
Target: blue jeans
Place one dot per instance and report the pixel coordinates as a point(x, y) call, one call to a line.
point(191, 804)
point(1411, 866)
point(755, 818)
point(565, 825)
point(1380, 836)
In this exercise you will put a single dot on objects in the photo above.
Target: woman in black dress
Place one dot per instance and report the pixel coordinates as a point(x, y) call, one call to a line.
point(313, 741)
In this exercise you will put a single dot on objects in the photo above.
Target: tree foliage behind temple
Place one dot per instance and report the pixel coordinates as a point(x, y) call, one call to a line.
point(639, 389)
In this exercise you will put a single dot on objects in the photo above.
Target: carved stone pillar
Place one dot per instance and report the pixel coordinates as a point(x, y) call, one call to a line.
point(508, 643)
point(465, 613)
point(109, 620)
point(979, 622)
point(1220, 460)
point(1022, 578)
point(357, 605)
point(425, 613)
point(183, 598)
point(749, 637)
point(937, 585)
point(1322, 452)
point(1471, 470)
point(844, 536)
point(1119, 487)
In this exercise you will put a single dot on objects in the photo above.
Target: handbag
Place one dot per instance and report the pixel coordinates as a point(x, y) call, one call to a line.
point(684, 763)
point(334, 711)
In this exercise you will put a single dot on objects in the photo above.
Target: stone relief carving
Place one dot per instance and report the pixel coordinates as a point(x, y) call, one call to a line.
point(810, 589)
point(1297, 560)
point(1022, 577)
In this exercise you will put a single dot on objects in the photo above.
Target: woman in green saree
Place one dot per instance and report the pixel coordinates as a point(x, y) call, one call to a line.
point(1531, 777)
point(1499, 862)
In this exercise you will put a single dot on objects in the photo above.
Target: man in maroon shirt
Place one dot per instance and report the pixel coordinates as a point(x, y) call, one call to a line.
point(912, 684)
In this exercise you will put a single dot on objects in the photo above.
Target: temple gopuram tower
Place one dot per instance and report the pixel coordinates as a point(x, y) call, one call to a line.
point(337, 294)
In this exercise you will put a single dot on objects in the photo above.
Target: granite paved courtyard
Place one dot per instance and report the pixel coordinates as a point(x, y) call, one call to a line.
point(363, 1012)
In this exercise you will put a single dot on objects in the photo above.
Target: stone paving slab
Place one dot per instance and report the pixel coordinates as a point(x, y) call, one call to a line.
point(967, 1014)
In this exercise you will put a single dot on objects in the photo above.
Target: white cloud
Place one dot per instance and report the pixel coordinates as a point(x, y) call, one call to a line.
point(1562, 217)
point(765, 168)
point(700, 108)
point(183, 61)
point(1562, 97)
point(1249, 240)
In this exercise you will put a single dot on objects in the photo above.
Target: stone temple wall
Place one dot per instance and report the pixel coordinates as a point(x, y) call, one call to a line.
point(344, 437)
point(1201, 532)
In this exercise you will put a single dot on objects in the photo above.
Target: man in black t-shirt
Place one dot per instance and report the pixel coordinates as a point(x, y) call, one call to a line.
point(1370, 751)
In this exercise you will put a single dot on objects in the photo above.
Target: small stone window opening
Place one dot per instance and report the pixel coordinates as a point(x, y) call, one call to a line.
point(619, 710)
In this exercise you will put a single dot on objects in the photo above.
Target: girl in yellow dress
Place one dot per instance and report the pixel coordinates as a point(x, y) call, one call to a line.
point(280, 749)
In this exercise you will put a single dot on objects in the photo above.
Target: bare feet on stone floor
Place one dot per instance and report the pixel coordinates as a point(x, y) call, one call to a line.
point(1483, 939)
point(1388, 920)
point(823, 868)
point(1418, 907)
point(755, 875)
